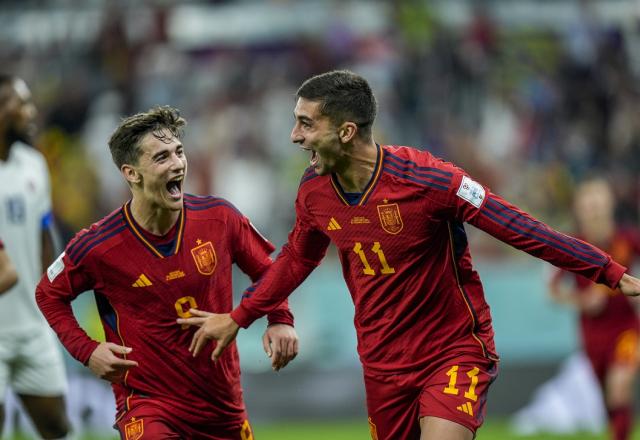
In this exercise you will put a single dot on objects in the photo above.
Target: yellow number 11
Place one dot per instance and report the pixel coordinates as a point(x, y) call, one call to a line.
point(367, 269)
point(453, 378)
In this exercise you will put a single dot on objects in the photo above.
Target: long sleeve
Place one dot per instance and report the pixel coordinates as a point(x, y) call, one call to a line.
point(252, 252)
point(303, 252)
point(471, 202)
point(58, 287)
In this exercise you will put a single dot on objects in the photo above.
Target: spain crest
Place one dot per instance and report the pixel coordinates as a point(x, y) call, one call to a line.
point(134, 429)
point(205, 257)
point(390, 218)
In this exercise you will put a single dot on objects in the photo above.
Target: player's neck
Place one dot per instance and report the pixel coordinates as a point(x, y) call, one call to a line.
point(362, 164)
point(153, 219)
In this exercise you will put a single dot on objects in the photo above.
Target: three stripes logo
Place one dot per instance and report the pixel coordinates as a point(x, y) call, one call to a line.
point(333, 225)
point(142, 281)
point(466, 408)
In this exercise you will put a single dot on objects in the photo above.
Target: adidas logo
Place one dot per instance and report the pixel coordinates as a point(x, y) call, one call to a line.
point(333, 225)
point(466, 408)
point(142, 281)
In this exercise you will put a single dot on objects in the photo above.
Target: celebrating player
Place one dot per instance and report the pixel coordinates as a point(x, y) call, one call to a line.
point(609, 323)
point(30, 359)
point(8, 274)
point(149, 262)
point(396, 215)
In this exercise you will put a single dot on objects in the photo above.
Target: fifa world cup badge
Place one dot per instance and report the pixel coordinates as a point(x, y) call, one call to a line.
point(205, 257)
point(390, 218)
point(134, 429)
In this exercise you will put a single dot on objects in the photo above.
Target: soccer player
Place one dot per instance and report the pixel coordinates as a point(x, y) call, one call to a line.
point(8, 274)
point(609, 323)
point(150, 261)
point(396, 215)
point(30, 359)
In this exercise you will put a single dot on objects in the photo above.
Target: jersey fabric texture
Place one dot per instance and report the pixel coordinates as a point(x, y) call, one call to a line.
point(406, 260)
point(25, 200)
point(141, 291)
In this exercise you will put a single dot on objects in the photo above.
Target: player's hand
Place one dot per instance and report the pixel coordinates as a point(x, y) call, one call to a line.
point(213, 327)
point(280, 342)
point(629, 285)
point(105, 363)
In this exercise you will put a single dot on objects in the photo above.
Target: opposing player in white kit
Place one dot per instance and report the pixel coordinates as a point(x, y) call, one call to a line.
point(30, 359)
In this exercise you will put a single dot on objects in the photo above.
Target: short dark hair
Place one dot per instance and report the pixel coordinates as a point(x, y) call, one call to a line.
point(125, 140)
point(345, 96)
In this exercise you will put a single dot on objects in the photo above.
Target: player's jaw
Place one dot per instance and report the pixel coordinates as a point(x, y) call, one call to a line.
point(325, 156)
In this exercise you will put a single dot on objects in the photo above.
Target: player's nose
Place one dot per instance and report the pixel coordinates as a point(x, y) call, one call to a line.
point(296, 137)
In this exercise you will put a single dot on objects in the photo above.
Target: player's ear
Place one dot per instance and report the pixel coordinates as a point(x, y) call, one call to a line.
point(130, 174)
point(347, 132)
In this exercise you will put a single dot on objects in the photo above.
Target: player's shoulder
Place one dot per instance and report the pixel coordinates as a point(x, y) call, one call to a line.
point(207, 207)
point(97, 238)
point(27, 154)
point(418, 166)
point(310, 180)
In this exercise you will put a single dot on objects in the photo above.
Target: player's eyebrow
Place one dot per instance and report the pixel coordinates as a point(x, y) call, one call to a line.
point(166, 151)
point(303, 118)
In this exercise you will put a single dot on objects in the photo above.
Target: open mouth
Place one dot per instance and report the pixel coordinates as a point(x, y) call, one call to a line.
point(174, 187)
point(313, 161)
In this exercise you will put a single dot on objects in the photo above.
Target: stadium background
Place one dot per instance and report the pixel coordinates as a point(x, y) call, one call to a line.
point(528, 96)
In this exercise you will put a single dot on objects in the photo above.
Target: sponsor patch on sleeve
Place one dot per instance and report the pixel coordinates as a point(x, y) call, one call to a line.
point(471, 191)
point(56, 267)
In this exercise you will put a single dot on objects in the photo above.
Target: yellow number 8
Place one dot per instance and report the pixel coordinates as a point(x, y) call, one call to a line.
point(182, 310)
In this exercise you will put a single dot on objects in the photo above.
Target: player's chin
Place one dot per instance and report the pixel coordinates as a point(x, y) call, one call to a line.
point(173, 202)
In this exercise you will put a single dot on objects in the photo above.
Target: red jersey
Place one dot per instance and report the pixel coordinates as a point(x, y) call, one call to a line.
point(406, 261)
point(142, 288)
point(618, 315)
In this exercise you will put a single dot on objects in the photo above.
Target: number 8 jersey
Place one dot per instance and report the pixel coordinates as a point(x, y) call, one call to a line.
point(405, 257)
point(142, 284)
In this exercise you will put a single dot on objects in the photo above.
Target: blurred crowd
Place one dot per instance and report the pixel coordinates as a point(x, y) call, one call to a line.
point(527, 109)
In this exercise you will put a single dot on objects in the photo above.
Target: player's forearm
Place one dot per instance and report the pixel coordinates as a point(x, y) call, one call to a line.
point(286, 273)
point(518, 229)
point(59, 315)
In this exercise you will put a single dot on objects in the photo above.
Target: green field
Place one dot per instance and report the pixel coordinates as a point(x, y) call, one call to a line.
point(358, 430)
point(492, 430)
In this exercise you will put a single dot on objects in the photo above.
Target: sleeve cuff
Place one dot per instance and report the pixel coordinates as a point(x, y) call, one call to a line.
point(243, 316)
point(612, 274)
point(280, 316)
point(85, 354)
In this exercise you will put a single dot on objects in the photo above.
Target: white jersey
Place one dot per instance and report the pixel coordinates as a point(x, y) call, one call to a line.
point(25, 203)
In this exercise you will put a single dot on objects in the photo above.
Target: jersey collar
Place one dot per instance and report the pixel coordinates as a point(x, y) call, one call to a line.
point(133, 226)
point(377, 171)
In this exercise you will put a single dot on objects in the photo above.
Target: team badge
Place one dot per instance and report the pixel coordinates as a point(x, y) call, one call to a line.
point(134, 429)
point(390, 218)
point(205, 257)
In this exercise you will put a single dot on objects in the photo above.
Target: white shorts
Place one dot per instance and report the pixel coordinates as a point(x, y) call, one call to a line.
point(31, 364)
